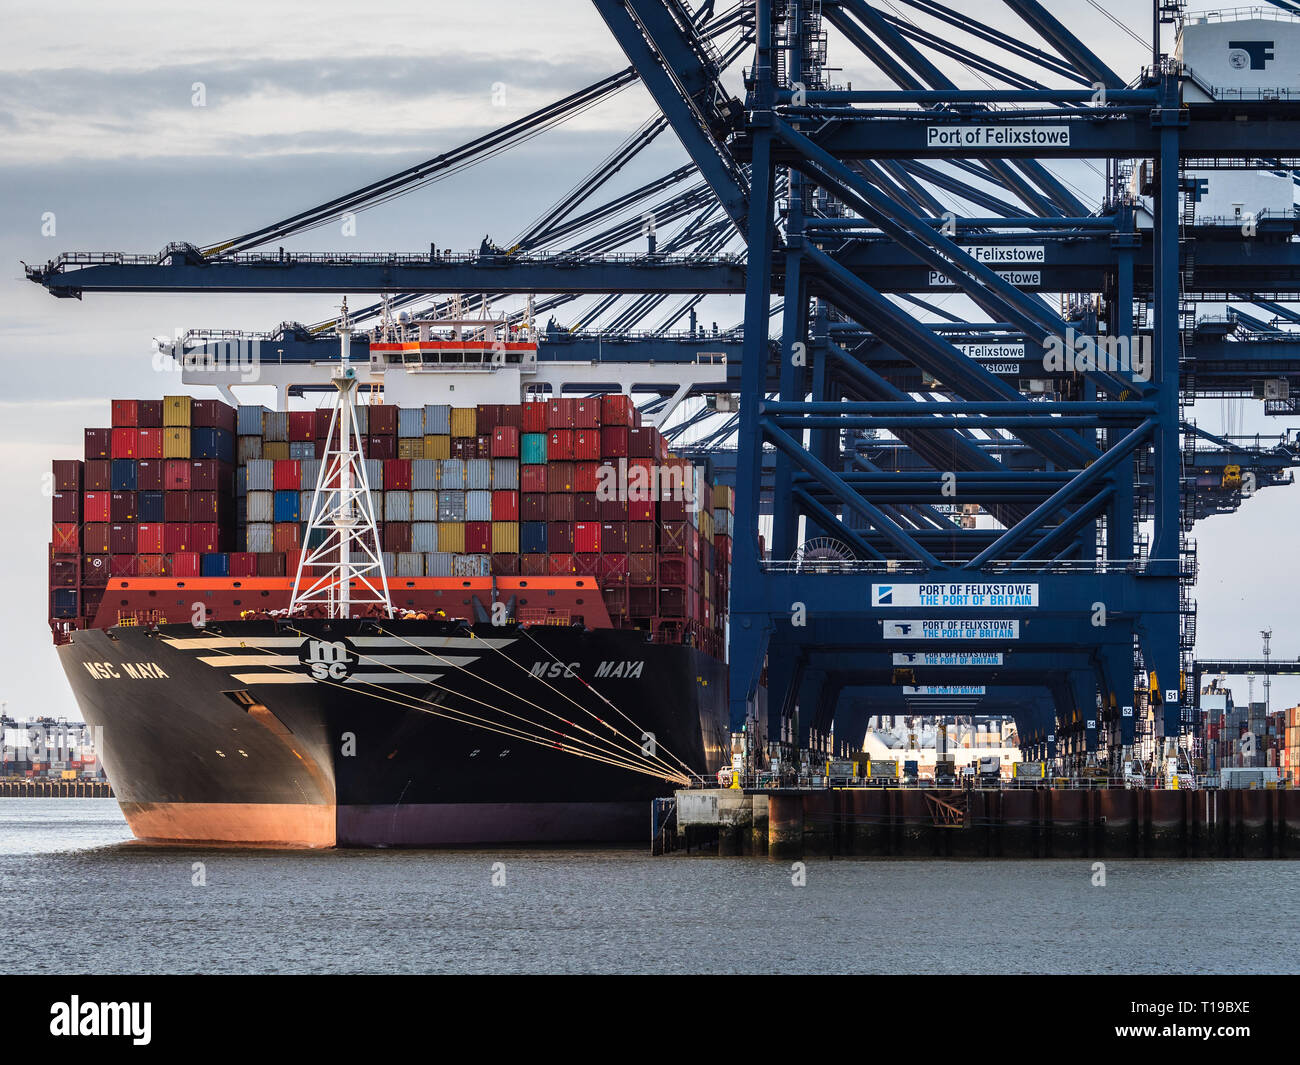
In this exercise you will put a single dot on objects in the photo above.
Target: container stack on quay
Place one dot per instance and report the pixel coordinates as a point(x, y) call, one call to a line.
point(556, 487)
point(1241, 737)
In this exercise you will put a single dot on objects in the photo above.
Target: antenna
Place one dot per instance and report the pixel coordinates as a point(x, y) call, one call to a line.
point(1268, 679)
point(342, 556)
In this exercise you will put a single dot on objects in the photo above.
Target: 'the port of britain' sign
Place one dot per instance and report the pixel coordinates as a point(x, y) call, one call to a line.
point(944, 689)
point(947, 658)
point(997, 629)
point(973, 596)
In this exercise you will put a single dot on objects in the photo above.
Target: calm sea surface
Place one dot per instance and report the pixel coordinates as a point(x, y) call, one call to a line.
point(79, 897)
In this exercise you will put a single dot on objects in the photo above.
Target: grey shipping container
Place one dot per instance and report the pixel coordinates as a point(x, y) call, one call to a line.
point(451, 474)
point(260, 536)
point(451, 506)
point(261, 475)
point(437, 419)
point(424, 475)
point(410, 421)
point(363, 419)
point(304, 504)
point(438, 564)
point(471, 566)
point(424, 536)
point(375, 474)
point(478, 476)
point(424, 507)
point(261, 507)
point(478, 506)
point(248, 419)
point(299, 450)
point(275, 425)
point(410, 564)
point(397, 506)
point(310, 473)
point(390, 561)
point(241, 482)
point(505, 474)
point(249, 447)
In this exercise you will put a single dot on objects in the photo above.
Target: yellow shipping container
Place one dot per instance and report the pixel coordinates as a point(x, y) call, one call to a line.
point(724, 497)
point(464, 421)
point(505, 537)
point(437, 447)
point(275, 449)
point(176, 443)
point(69, 774)
point(410, 447)
point(708, 585)
point(176, 411)
point(706, 525)
point(451, 536)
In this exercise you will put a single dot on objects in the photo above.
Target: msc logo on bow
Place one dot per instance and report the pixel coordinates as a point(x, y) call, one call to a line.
point(883, 595)
point(1255, 54)
point(328, 659)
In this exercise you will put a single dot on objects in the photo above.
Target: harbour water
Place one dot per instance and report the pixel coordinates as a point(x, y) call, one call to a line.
point(80, 897)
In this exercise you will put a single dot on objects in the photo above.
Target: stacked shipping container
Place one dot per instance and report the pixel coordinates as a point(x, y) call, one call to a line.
point(563, 487)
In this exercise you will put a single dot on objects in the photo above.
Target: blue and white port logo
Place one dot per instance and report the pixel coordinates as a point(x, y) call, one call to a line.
point(882, 595)
point(1253, 54)
point(328, 660)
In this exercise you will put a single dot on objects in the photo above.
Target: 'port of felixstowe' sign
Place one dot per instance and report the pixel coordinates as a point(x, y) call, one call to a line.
point(974, 596)
point(945, 689)
point(1008, 136)
point(994, 629)
point(947, 658)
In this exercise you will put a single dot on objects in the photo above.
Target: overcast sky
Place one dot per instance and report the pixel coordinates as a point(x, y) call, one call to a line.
point(301, 102)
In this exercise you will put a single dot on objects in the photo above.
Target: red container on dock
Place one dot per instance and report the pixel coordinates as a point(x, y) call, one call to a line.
point(560, 565)
point(612, 509)
point(122, 565)
point(641, 568)
point(397, 535)
point(559, 445)
point(126, 412)
point(149, 475)
point(586, 444)
point(206, 536)
point(478, 537)
point(505, 565)
point(559, 506)
point(176, 475)
point(586, 537)
point(125, 442)
point(212, 414)
point(184, 564)
point(383, 419)
point(613, 441)
point(559, 413)
point(586, 565)
point(616, 409)
point(533, 417)
point(641, 510)
point(286, 537)
point(176, 506)
point(121, 538)
point(559, 477)
point(532, 565)
point(613, 567)
point(67, 475)
point(397, 473)
point(149, 538)
point(302, 425)
point(176, 537)
point(67, 538)
point(66, 506)
point(585, 507)
point(586, 476)
point(243, 564)
point(97, 475)
point(271, 564)
point(206, 475)
point(204, 507)
point(381, 447)
point(505, 442)
point(586, 413)
point(505, 505)
point(97, 444)
point(121, 506)
point(613, 537)
point(150, 565)
point(641, 538)
point(149, 443)
point(532, 506)
point(532, 478)
point(286, 475)
point(94, 538)
point(559, 537)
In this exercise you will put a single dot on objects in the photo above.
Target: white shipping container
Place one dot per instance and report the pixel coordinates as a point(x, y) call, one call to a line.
point(375, 474)
point(437, 419)
point(424, 537)
point(478, 476)
point(505, 474)
point(471, 566)
point(397, 506)
point(410, 422)
point(260, 507)
point(260, 537)
point(424, 475)
point(438, 564)
point(478, 506)
point(424, 507)
point(410, 564)
point(1245, 58)
point(261, 475)
point(451, 474)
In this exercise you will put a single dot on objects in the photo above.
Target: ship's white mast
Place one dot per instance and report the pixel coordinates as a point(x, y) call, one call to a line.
point(342, 564)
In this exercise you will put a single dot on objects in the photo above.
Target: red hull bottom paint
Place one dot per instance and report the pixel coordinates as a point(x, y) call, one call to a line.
point(273, 824)
point(461, 824)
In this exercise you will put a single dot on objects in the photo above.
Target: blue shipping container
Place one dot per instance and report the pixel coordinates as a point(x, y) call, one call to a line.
point(286, 505)
point(65, 602)
point(215, 566)
point(212, 444)
point(532, 449)
point(149, 506)
point(532, 538)
point(123, 475)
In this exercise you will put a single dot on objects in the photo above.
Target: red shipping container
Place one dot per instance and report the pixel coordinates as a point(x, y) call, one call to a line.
point(559, 477)
point(213, 414)
point(532, 565)
point(286, 475)
point(243, 564)
point(613, 567)
point(302, 425)
point(673, 538)
point(122, 566)
point(586, 413)
point(673, 603)
point(511, 414)
point(148, 443)
point(97, 444)
point(149, 475)
point(586, 444)
point(505, 565)
point(397, 474)
point(616, 409)
point(176, 475)
point(674, 510)
point(560, 565)
point(505, 442)
point(613, 442)
point(67, 538)
point(121, 538)
point(559, 445)
point(176, 507)
point(383, 420)
point(586, 537)
point(483, 449)
point(384, 447)
point(206, 475)
point(151, 565)
point(640, 537)
point(532, 416)
point(641, 511)
point(97, 476)
point(560, 414)
point(121, 506)
point(183, 564)
point(722, 549)
point(559, 537)
point(559, 506)
point(641, 568)
point(67, 475)
point(270, 564)
point(95, 568)
point(586, 565)
point(585, 507)
point(532, 478)
point(586, 476)
point(463, 447)
point(533, 507)
point(505, 505)
point(66, 506)
point(642, 443)
point(478, 537)
point(94, 538)
point(613, 537)
point(204, 507)
point(206, 536)
point(674, 570)
point(612, 509)
point(125, 442)
point(320, 429)
point(487, 417)
point(287, 537)
point(397, 534)
point(149, 538)
point(126, 412)
point(149, 413)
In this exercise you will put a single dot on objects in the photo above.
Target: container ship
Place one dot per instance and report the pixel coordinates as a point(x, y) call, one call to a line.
point(543, 654)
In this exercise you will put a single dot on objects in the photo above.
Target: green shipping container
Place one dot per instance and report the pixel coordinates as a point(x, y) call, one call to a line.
point(533, 448)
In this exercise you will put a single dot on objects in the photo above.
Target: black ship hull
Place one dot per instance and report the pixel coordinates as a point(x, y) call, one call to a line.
point(402, 733)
